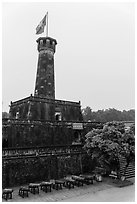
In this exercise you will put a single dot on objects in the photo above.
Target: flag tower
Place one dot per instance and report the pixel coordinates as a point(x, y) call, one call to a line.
point(45, 83)
point(49, 120)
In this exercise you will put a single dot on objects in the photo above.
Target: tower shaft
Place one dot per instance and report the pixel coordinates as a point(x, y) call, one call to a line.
point(45, 82)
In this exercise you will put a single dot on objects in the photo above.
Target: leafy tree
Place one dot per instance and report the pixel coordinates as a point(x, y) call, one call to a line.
point(109, 144)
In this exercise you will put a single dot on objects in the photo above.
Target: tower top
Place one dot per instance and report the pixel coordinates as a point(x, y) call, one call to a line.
point(44, 38)
point(46, 43)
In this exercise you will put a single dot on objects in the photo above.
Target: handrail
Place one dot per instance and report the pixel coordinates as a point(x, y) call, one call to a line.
point(47, 146)
point(33, 98)
point(49, 121)
point(41, 150)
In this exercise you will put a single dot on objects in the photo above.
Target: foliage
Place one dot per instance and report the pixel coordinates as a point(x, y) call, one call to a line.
point(107, 145)
point(5, 115)
point(108, 115)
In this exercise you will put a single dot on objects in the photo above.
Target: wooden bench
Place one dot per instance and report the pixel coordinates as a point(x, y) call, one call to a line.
point(34, 188)
point(88, 179)
point(69, 183)
point(45, 186)
point(113, 174)
point(78, 180)
point(7, 193)
point(23, 191)
point(59, 184)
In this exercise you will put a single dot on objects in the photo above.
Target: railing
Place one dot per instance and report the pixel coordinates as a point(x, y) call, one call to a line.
point(26, 99)
point(54, 123)
point(39, 151)
point(44, 99)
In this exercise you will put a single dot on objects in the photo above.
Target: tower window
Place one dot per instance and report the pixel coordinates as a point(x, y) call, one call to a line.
point(41, 42)
point(17, 115)
point(48, 42)
point(58, 116)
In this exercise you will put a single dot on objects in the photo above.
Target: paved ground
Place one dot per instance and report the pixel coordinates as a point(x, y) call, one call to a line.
point(98, 192)
point(126, 194)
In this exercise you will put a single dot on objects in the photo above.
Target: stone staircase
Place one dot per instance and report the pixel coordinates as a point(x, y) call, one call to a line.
point(130, 171)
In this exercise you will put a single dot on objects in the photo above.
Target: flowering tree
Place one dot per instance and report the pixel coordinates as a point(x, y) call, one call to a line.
point(107, 145)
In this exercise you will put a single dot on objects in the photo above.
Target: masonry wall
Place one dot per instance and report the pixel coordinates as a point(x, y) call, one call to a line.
point(18, 171)
point(23, 133)
point(37, 135)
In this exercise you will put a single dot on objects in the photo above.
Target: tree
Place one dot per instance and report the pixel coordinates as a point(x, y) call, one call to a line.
point(107, 115)
point(86, 112)
point(5, 115)
point(109, 144)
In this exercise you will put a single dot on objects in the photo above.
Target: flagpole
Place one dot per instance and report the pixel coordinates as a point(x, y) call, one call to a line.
point(47, 26)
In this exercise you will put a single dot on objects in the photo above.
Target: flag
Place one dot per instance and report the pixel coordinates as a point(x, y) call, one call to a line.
point(40, 27)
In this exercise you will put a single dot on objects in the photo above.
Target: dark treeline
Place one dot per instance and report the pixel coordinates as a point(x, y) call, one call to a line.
point(107, 115)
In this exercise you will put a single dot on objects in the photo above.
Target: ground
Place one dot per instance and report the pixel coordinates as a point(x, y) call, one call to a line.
point(126, 194)
point(98, 192)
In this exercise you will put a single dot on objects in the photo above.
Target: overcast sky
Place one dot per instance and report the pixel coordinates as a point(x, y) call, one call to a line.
point(94, 59)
